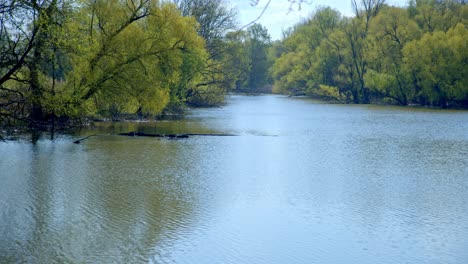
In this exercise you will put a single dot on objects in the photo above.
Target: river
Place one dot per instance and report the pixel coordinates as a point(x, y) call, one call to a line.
point(301, 182)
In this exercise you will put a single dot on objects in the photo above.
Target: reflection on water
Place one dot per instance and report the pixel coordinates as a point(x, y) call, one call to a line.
point(304, 182)
point(109, 200)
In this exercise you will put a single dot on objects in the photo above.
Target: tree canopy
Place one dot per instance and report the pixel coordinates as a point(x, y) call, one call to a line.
point(413, 55)
point(91, 57)
point(67, 59)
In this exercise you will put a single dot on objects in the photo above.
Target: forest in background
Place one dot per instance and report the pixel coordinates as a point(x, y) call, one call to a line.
point(65, 60)
point(413, 55)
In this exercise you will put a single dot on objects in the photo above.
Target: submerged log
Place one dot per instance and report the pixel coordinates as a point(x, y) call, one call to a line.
point(141, 134)
point(81, 139)
point(166, 136)
point(172, 136)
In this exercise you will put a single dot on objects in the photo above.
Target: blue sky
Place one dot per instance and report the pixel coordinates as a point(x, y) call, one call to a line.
point(276, 18)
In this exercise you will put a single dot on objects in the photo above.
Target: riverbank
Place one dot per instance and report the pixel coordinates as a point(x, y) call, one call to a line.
point(22, 130)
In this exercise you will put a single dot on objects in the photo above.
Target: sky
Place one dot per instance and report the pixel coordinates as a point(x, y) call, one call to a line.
point(277, 18)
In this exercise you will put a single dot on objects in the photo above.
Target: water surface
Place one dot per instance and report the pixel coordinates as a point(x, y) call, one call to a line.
point(303, 182)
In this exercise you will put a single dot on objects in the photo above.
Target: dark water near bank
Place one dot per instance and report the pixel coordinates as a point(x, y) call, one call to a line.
point(303, 182)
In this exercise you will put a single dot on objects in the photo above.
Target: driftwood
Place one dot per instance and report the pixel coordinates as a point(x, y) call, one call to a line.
point(81, 139)
point(166, 136)
point(172, 136)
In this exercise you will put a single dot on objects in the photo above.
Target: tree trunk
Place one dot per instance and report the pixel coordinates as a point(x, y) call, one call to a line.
point(365, 95)
point(36, 113)
point(355, 96)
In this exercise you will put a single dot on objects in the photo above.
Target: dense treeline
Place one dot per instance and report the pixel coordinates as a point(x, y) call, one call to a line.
point(247, 60)
point(74, 58)
point(413, 55)
point(67, 59)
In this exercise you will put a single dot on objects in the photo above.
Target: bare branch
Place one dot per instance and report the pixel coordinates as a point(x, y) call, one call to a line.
point(258, 18)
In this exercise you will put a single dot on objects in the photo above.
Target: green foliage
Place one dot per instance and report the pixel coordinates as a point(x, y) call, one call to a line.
point(246, 60)
point(141, 65)
point(236, 60)
point(258, 44)
point(97, 57)
point(413, 55)
point(207, 95)
point(75, 58)
point(432, 15)
point(215, 21)
point(383, 84)
point(310, 56)
point(330, 93)
point(436, 65)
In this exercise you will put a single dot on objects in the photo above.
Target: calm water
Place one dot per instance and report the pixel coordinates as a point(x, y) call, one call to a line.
point(303, 182)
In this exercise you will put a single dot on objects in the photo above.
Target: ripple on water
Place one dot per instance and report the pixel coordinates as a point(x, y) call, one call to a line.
point(336, 184)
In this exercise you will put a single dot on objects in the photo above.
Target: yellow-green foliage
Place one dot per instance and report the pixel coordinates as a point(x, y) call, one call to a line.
point(380, 82)
point(409, 55)
point(112, 56)
point(437, 65)
point(136, 65)
point(331, 93)
point(208, 95)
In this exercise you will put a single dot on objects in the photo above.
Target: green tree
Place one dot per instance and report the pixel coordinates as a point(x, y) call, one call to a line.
point(357, 43)
point(97, 57)
point(290, 70)
point(311, 56)
point(258, 44)
point(328, 56)
point(16, 45)
point(436, 65)
point(390, 32)
point(432, 15)
point(236, 60)
point(143, 56)
point(34, 64)
point(382, 53)
point(215, 20)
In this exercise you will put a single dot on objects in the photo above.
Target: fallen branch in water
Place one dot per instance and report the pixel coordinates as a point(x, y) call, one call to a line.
point(172, 136)
point(81, 139)
point(166, 136)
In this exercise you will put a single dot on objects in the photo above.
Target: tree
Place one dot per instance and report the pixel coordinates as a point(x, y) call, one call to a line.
point(356, 36)
point(390, 32)
point(432, 15)
point(215, 21)
point(236, 60)
point(436, 65)
point(397, 55)
point(258, 44)
point(312, 55)
point(214, 18)
point(30, 39)
point(328, 56)
point(14, 49)
point(144, 52)
point(69, 59)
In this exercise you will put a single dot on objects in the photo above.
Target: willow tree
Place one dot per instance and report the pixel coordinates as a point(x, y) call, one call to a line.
point(312, 55)
point(436, 65)
point(215, 20)
point(391, 31)
point(14, 51)
point(236, 59)
point(138, 55)
point(259, 41)
point(76, 58)
point(357, 39)
point(30, 40)
point(128, 57)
